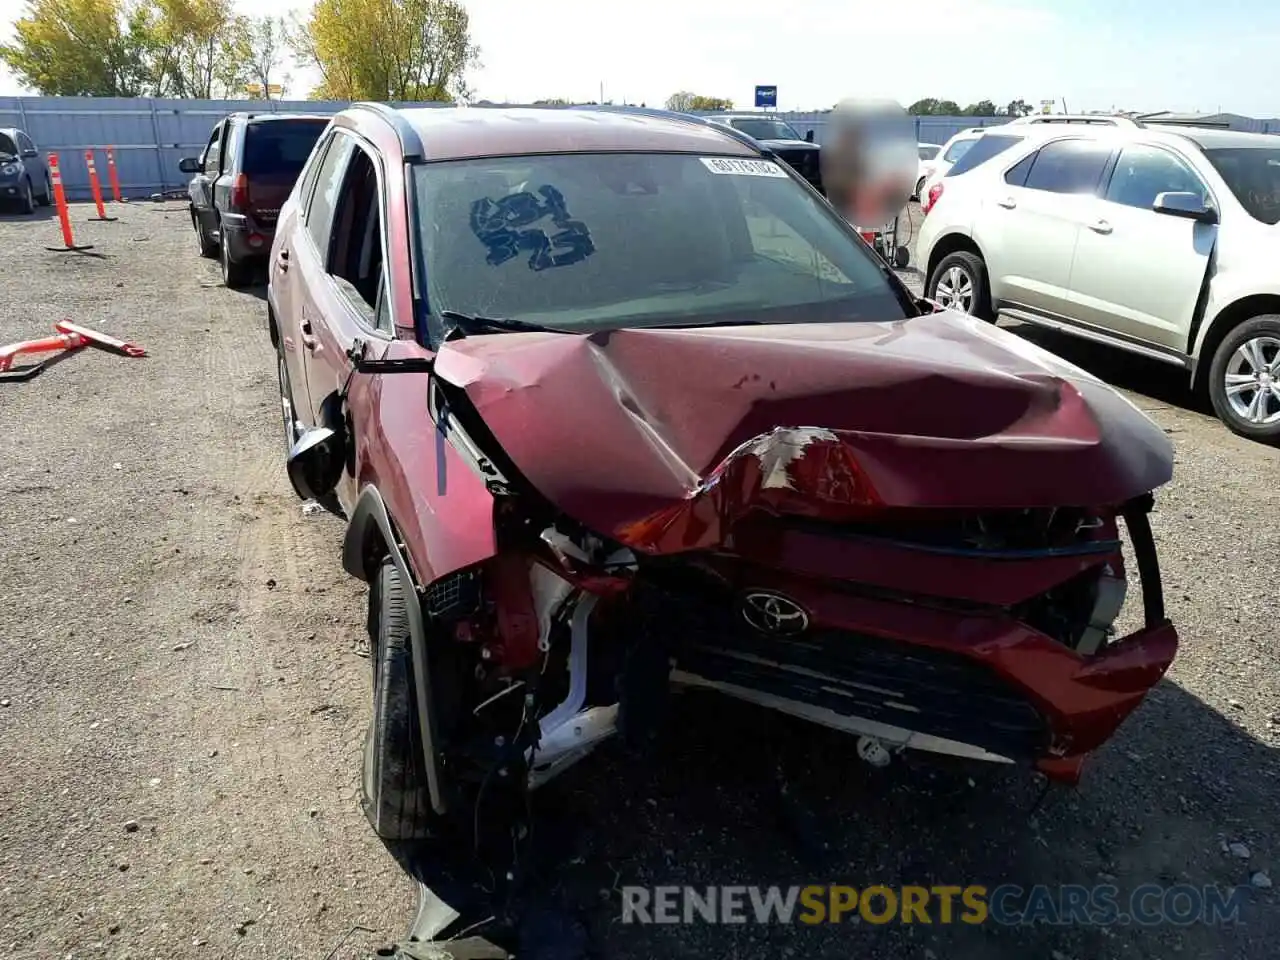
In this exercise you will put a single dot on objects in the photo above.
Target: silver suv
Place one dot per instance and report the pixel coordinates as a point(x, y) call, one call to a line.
point(1161, 241)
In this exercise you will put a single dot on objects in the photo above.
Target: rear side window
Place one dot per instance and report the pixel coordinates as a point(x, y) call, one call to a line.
point(983, 149)
point(958, 149)
point(280, 147)
point(1068, 166)
point(1017, 174)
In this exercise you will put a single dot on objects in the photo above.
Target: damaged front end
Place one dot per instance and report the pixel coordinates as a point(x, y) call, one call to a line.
point(784, 580)
point(593, 535)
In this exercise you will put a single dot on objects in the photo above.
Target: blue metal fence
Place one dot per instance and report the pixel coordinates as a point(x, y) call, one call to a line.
point(149, 136)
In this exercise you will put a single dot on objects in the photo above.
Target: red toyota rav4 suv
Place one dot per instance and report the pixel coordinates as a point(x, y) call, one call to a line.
point(612, 399)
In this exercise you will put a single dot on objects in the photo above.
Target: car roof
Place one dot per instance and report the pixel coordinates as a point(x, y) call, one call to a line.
point(1207, 138)
point(460, 133)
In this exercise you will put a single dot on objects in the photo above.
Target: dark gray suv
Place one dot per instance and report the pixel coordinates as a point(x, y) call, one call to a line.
point(24, 175)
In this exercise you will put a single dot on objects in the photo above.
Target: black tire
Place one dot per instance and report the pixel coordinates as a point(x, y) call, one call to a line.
point(235, 275)
point(394, 781)
point(1265, 329)
point(46, 198)
point(27, 202)
point(288, 414)
point(919, 186)
point(969, 266)
point(208, 246)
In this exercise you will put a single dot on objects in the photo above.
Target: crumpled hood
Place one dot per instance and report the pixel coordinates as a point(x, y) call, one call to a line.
point(624, 430)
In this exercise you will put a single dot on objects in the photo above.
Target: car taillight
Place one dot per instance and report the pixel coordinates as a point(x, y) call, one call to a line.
point(239, 192)
point(934, 193)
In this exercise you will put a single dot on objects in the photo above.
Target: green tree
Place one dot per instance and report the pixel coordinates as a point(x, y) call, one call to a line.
point(93, 48)
point(926, 107)
point(685, 100)
point(710, 103)
point(1018, 108)
point(200, 48)
point(265, 44)
point(386, 49)
point(983, 108)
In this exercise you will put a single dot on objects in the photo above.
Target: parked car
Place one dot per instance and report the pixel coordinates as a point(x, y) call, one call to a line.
point(959, 145)
point(240, 179)
point(610, 400)
point(1159, 241)
point(24, 175)
point(783, 139)
point(948, 156)
point(928, 161)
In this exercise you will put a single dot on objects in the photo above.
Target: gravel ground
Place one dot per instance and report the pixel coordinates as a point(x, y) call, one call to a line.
point(182, 692)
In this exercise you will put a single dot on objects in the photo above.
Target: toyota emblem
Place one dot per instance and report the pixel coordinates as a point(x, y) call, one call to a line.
point(773, 614)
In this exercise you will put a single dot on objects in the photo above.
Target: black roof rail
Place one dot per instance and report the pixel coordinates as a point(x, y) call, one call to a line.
point(410, 142)
point(677, 115)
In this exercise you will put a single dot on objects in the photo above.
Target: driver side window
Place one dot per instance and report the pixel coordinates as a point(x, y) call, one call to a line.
point(1144, 172)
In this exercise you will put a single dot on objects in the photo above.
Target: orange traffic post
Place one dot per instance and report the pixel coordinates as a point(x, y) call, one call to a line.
point(113, 177)
point(96, 187)
point(64, 217)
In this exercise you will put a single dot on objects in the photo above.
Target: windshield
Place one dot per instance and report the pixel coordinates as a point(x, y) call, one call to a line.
point(598, 241)
point(1253, 174)
point(762, 129)
point(280, 146)
point(7, 146)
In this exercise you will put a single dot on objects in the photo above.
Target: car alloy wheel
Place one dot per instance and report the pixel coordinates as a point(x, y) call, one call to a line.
point(1252, 381)
point(955, 289)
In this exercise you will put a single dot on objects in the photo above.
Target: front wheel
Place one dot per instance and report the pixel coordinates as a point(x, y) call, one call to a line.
point(394, 782)
point(959, 282)
point(1244, 379)
point(27, 202)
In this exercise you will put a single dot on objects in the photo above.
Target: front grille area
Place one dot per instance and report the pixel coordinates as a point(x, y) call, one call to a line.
point(855, 675)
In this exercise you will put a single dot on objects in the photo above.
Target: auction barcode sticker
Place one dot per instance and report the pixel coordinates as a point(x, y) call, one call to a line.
point(743, 168)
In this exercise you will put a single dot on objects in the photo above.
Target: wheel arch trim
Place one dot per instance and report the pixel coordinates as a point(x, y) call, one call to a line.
point(370, 516)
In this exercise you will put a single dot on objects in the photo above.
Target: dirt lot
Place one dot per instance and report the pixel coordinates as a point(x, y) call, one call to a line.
point(182, 694)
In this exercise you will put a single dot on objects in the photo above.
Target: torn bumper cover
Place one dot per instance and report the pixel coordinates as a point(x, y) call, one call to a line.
point(939, 519)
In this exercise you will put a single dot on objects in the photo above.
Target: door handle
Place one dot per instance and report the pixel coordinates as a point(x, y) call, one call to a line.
point(282, 261)
point(1100, 226)
point(1008, 203)
point(308, 339)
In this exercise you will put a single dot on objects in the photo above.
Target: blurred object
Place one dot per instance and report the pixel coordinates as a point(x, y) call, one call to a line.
point(869, 159)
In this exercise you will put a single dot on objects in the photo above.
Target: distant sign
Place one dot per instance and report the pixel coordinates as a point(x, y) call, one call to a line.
point(766, 96)
point(255, 89)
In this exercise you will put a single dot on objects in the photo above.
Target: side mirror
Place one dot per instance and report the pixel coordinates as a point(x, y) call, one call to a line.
point(189, 165)
point(316, 462)
point(28, 154)
point(1189, 206)
point(808, 136)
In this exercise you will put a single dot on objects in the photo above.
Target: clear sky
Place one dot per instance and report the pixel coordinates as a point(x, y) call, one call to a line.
point(1097, 54)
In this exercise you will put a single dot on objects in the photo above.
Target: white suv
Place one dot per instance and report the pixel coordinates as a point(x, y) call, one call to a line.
point(1160, 241)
